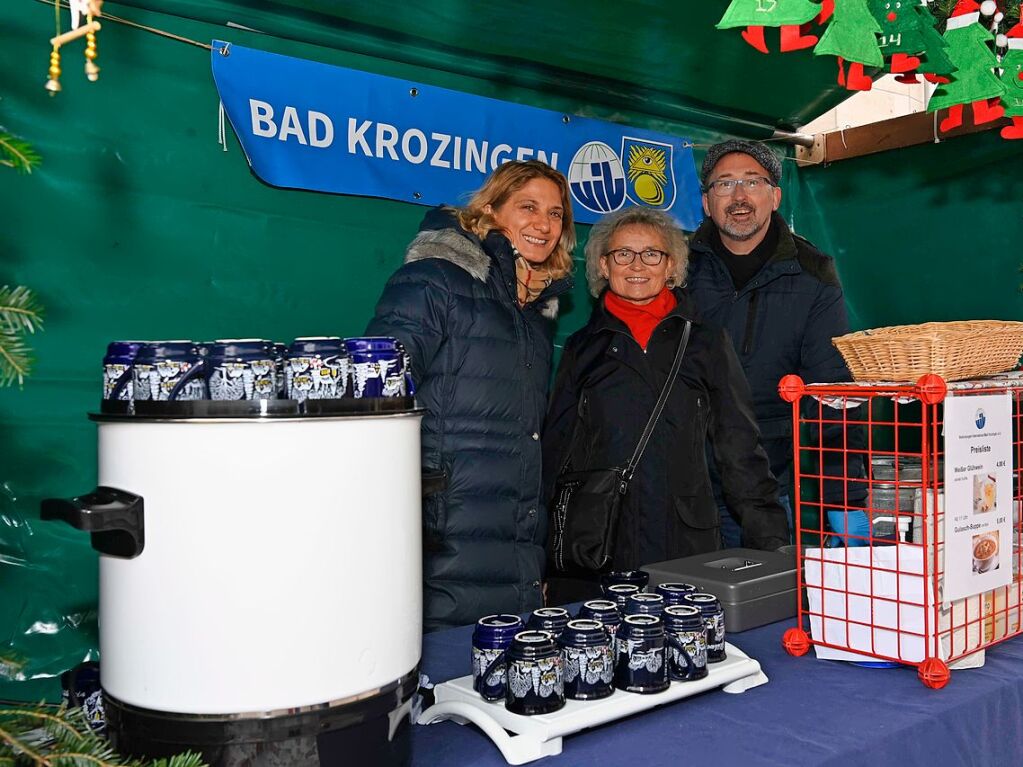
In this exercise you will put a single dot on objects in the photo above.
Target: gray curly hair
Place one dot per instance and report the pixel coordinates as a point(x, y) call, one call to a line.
point(603, 231)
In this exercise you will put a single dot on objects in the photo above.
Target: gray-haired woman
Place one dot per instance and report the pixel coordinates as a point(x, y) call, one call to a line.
point(610, 376)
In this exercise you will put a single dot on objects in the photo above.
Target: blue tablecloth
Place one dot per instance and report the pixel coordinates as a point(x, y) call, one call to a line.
point(811, 713)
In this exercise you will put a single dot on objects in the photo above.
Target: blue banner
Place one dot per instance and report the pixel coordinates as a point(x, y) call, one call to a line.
point(305, 125)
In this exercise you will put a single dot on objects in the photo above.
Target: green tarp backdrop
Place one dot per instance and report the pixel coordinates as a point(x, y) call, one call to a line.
point(138, 225)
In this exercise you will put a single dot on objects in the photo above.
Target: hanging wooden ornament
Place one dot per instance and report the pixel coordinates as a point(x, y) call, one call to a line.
point(53, 84)
point(91, 69)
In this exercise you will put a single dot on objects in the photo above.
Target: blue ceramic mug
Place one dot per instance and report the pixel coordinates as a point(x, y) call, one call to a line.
point(241, 369)
point(317, 367)
point(605, 611)
point(714, 619)
point(674, 593)
point(552, 619)
point(619, 593)
point(687, 642)
point(490, 640)
point(280, 353)
point(81, 689)
point(586, 660)
point(117, 370)
point(535, 681)
point(379, 367)
point(167, 371)
point(640, 578)
point(641, 663)
point(644, 604)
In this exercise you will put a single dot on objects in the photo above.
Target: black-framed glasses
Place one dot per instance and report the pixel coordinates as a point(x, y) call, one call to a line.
point(625, 256)
point(726, 187)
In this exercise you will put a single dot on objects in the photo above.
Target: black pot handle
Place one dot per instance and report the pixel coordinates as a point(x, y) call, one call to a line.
point(434, 481)
point(114, 518)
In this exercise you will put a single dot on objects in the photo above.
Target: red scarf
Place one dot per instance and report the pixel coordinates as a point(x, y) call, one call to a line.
point(641, 318)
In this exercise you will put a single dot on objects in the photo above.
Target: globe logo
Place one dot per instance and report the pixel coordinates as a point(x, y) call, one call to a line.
point(597, 178)
point(981, 419)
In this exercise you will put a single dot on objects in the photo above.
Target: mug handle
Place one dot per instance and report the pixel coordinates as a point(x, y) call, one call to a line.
point(502, 657)
point(677, 644)
point(192, 372)
point(122, 381)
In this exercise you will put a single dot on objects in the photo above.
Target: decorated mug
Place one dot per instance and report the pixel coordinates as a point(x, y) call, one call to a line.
point(316, 367)
point(535, 681)
point(674, 593)
point(687, 642)
point(241, 369)
point(640, 578)
point(379, 367)
point(168, 370)
point(644, 604)
point(640, 660)
point(552, 619)
point(587, 660)
point(117, 370)
point(619, 593)
point(490, 640)
point(605, 611)
point(714, 619)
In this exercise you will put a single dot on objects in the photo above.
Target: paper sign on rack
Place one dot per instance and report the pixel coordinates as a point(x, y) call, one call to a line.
point(978, 494)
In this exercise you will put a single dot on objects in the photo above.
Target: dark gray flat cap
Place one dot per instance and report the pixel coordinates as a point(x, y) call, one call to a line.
point(755, 149)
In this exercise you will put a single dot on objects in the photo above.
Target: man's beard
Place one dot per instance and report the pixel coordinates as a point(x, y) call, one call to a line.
point(744, 232)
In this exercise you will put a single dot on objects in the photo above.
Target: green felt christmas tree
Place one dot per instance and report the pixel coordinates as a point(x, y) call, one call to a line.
point(900, 26)
point(852, 34)
point(754, 15)
point(974, 81)
point(909, 39)
point(936, 61)
point(1012, 79)
point(768, 13)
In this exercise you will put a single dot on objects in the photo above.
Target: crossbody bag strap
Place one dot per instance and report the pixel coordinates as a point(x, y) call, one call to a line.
point(648, 430)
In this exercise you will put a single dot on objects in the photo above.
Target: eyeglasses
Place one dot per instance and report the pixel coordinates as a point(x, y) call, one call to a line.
point(625, 256)
point(727, 186)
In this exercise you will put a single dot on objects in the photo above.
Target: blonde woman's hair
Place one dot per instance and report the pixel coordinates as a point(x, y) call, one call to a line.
point(603, 231)
point(502, 184)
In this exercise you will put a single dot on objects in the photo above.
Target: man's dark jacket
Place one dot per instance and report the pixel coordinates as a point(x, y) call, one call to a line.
point(669, 510)
point(782, 321)
point(482, 366)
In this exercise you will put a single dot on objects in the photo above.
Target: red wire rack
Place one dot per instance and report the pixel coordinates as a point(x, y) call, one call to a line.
point(877, 595)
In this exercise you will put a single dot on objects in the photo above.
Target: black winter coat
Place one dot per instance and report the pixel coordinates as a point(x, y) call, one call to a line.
point(782, 321)
point(669, 510)
point(482, 367)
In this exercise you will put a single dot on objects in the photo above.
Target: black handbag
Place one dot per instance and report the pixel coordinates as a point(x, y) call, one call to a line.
point(587, 504)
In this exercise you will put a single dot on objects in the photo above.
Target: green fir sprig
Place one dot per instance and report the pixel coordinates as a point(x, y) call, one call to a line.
point(20, 313)
point(17, 153)
point(56, 736)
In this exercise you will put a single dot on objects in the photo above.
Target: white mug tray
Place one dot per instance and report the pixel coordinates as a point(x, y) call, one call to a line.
point(537, 736)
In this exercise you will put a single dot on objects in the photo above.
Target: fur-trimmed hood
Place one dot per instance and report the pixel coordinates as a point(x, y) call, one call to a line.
point(464, 251)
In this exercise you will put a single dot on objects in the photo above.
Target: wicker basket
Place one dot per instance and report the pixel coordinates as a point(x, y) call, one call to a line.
point(952, 350)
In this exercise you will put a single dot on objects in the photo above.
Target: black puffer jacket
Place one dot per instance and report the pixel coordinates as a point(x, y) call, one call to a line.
point(482, 368)
point(670, 509)
point(782, 321)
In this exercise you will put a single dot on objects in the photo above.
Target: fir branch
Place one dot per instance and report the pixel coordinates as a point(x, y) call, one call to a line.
point(33, 736)
point(15, 359)
point(18, 153)
point(20, 310)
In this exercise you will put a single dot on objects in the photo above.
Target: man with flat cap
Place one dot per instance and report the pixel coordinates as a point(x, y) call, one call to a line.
point(781, 302)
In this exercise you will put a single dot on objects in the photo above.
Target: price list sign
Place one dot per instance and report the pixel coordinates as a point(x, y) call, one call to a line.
point(978, 494)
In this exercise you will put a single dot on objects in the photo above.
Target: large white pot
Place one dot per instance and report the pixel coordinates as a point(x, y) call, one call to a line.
point(281, 566)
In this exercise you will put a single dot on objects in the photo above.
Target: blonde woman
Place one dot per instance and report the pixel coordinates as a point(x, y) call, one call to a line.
point(475, 304)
